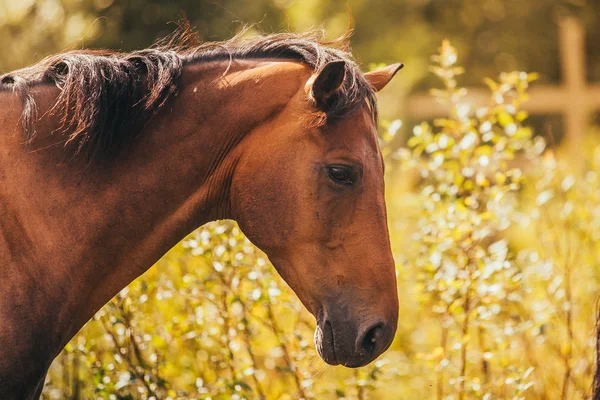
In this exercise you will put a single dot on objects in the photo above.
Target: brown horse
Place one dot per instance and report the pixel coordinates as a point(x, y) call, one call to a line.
point(108, 159)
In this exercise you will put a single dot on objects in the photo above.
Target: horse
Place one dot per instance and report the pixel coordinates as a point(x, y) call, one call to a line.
point(108, 159)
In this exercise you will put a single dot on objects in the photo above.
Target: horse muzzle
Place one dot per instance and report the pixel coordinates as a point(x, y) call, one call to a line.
point(352, 345)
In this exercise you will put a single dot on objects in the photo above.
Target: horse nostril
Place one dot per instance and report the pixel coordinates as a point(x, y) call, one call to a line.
point(369, 341)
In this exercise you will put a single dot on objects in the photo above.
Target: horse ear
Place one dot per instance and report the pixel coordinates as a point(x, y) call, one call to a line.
point(320, 87)
point(380, 78)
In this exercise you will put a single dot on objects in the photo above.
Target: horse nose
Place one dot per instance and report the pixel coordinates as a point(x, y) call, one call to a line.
point(373, 340)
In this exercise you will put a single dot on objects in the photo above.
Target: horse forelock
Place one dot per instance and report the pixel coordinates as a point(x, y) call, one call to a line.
point(107, 97)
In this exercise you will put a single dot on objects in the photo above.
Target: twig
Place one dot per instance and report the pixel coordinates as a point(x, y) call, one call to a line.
point(132, 366)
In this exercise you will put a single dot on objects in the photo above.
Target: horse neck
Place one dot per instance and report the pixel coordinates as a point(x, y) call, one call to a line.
point(89, 232)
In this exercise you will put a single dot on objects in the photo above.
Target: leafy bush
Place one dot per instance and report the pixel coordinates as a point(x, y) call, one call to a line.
point(496, 244)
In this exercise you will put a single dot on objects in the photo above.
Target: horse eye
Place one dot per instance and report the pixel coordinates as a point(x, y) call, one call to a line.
point(340, 174)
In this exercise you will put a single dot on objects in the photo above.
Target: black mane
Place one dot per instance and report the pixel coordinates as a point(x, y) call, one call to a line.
point(107, 97)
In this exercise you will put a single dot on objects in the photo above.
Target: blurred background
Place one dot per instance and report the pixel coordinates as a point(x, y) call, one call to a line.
point(493, 197)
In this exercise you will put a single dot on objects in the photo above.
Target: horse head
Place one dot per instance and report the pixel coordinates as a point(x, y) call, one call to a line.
point(309, 191)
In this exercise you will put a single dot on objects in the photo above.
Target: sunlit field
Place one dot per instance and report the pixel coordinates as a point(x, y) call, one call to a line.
point(493, 198)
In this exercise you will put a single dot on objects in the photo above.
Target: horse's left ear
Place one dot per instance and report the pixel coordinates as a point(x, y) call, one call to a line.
point(321, 86)
point(380, 78)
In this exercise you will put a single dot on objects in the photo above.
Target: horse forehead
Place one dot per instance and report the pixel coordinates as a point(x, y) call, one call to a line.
point(358, 132)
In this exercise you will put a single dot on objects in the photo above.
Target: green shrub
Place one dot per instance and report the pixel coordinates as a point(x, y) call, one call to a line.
point(496, 248)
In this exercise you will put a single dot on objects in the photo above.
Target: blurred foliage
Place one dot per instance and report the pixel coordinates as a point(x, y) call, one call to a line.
point(492, 35)
point(496, 241)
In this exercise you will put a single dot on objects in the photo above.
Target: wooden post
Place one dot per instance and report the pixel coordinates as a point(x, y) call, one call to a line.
point(576, 105)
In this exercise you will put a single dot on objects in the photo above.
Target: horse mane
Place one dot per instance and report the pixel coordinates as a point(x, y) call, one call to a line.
point(107, 97)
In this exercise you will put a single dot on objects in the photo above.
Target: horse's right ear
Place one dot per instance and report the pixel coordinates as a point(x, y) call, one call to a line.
point(321, 86)
point(378, 79)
